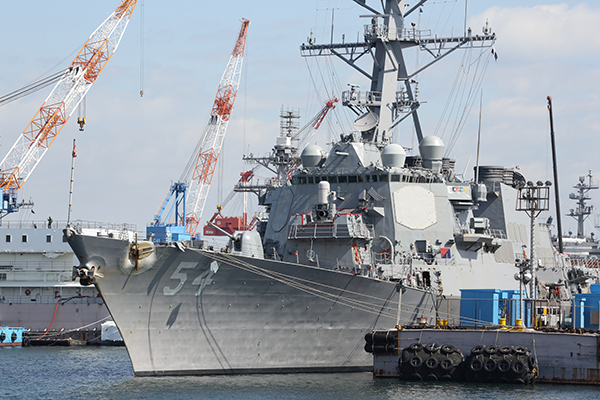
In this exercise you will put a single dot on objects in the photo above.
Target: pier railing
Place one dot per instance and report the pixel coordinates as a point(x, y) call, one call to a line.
point(45, 224)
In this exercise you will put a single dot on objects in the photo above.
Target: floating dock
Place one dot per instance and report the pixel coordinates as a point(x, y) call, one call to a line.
point(559, 356)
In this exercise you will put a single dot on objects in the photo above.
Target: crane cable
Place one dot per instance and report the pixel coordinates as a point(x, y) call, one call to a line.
point(39, 83)
point(142, 49)
point(31, 88)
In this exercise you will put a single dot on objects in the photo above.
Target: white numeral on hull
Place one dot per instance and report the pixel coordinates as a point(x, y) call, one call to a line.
point(202, 280)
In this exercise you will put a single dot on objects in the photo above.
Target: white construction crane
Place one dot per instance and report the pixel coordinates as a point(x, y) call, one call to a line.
point(75, 82)
point(194, 183)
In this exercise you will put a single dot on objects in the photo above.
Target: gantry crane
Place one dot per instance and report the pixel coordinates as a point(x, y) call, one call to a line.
point(190, 192)
point(56, 110)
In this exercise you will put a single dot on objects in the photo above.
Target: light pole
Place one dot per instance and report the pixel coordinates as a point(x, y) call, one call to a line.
point(533, 199)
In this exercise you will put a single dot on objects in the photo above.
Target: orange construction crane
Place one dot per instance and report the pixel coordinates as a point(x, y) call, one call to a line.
point(190, 192)
point(56, 110)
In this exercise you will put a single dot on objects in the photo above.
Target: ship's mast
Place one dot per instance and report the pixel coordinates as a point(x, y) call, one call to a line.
point(583, 211)
point(385, 105)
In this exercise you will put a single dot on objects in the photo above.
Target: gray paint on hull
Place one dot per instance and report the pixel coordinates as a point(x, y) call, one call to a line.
point(255, 316)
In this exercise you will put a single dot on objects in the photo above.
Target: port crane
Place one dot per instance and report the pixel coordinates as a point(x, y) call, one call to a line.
point(56, 110)
point(184, 203)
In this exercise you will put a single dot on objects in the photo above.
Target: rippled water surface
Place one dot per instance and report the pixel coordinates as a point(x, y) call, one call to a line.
point(106, 373)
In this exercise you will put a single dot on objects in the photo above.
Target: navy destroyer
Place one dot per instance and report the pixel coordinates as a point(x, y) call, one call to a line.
point(362, 238)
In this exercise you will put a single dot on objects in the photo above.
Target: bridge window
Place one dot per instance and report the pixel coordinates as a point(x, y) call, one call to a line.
point(343, 179)
point(395, 178)
point(8, 238)
point(352, 179)
point(383, 178)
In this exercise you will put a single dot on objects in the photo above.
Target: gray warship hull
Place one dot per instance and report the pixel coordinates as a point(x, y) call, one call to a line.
point(201, 312)
point(363, 237)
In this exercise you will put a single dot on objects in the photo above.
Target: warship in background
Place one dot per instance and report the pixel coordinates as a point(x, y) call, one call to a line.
point(583, 250)
point(362, 238)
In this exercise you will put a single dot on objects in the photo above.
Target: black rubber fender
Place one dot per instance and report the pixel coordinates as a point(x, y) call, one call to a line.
point(521, 350)
point(504, 365)
point(415, 361)
point(476, 365)
point(415, 377)
point(477, 349)
point(490, 365)
point(447, 349)
point(432, 362)
point(416, 347)
point(518, 367)
point(446, 364)
point(431, 348)
point(431, 377)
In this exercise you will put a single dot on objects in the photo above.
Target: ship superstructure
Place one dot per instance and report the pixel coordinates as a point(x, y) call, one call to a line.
point(356, 239)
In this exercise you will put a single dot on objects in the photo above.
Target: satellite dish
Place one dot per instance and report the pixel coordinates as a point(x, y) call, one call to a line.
point(366, 122)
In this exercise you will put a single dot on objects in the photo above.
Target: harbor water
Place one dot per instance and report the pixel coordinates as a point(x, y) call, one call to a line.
point(106, 373)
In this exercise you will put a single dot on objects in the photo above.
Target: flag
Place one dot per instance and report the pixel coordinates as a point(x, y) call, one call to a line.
point(445, 252)
point(74, 150)
point(495, 53)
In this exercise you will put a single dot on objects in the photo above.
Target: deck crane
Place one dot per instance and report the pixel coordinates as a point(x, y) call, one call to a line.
point(56, 110)
point(188, 195)
point(306, 134)
point(285, 157)
point(231, 224)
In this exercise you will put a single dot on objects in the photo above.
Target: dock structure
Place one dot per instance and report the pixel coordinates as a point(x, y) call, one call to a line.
point(562, 357)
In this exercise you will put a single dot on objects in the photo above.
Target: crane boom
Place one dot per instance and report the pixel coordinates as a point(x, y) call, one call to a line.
point(56, 110)
point(201, 167)
point(305, 136)
point(197, 175)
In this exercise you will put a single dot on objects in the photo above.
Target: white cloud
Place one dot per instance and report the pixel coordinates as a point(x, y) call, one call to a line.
point(544, 32)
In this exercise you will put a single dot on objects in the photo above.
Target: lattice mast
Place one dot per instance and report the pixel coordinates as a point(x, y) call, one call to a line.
point(201, 167)
point(56, 110)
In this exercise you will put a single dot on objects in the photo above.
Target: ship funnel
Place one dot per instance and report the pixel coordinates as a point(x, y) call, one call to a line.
point(432, 151)
point(393, 155)
point(312, 156)
point(323, 192)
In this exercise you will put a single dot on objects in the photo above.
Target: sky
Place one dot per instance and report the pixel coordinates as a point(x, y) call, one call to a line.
point(133, 147)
